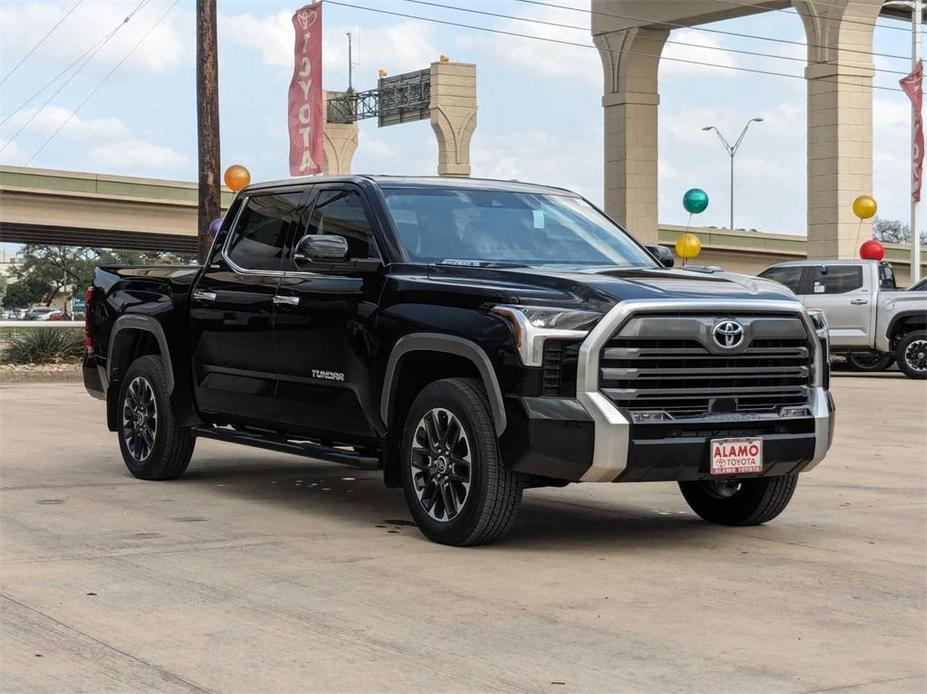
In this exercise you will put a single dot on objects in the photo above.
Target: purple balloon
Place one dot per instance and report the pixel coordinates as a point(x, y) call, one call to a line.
point(214, 227)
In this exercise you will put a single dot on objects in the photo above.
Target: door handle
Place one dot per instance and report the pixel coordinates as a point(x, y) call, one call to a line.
point(201, 295)
point(285, 300)
point(859, 302)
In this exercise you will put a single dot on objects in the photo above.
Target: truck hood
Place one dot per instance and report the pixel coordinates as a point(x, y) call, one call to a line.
point(602, 288)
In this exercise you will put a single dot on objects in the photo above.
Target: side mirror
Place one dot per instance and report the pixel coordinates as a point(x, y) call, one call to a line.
point(663, 254)
point(321, 248)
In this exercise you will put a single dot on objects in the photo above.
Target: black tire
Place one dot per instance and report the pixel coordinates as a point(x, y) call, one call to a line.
point(753, 501)
point(911, 354)
point(870, 363)
point(164, 453)
point(488, 504)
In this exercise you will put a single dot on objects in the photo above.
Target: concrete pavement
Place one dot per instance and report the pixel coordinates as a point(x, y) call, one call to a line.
point(259, 572)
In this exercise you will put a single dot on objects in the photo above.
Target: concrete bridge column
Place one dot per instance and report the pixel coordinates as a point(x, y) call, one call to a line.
point(839, 120)
point(630, 62)
point(453, 115)
point(340, 140)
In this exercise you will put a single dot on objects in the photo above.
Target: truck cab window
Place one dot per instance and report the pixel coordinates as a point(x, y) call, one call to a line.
point(259, 240)
point(789, 276)
point(836, 279)
point(342, 213)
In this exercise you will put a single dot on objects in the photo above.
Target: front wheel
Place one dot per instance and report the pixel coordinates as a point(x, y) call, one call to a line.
point(455, 485)
point(740, 502)
point(153, 446)
point(911, 353)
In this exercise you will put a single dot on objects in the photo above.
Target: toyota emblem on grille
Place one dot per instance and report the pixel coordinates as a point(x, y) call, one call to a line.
point(728, 334)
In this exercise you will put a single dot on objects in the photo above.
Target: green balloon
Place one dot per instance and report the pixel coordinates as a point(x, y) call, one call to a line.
point(695, 200)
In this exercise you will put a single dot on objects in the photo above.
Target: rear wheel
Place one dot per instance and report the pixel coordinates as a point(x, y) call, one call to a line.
point(740, 502)
point(457, 489)
point(870, 362)
point(911, 353)
point(153, 446)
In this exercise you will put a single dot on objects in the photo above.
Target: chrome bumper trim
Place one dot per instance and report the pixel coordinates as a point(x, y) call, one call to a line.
point(612, 429)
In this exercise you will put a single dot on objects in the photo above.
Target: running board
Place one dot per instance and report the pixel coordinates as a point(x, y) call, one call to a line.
point(305, 449)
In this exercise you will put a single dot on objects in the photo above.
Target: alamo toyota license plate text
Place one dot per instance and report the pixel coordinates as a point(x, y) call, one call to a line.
point(736, 456)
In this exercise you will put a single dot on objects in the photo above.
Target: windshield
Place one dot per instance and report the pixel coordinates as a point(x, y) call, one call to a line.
point(485, 226)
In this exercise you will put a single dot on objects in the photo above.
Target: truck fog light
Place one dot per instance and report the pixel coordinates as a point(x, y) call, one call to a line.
point(645, 417)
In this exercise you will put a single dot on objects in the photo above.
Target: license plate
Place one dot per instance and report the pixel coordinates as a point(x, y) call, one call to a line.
point(736, 456)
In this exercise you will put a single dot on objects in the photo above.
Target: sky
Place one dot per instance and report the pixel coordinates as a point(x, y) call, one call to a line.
point(540, 115)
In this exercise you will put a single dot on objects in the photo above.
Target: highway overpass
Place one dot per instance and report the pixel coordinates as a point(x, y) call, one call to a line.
point(87, 209)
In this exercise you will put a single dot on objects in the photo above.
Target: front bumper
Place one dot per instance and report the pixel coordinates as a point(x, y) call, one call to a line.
point(590, 439)
point(559, 438)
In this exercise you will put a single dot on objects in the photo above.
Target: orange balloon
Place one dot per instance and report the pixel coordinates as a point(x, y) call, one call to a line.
point(237, 177)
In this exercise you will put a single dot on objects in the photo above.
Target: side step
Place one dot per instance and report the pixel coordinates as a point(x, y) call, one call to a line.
point(303, 448)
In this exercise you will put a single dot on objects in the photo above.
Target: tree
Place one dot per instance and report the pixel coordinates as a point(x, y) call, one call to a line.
point(2, 288)
point(893, 231)
point(46, 271)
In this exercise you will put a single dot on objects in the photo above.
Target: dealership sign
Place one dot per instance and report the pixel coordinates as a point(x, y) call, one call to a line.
point(306, 123)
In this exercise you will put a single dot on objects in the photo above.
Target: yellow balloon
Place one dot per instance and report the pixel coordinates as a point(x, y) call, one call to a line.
point(865, 207)
point(237, 177)
point(688, 246)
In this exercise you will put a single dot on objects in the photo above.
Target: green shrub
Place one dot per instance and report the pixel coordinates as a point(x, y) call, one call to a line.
point(44, 345)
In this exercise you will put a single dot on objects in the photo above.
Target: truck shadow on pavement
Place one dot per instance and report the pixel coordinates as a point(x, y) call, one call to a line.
point(357, 498)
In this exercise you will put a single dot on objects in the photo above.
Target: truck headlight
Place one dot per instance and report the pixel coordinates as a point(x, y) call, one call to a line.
point(532, 325)
point(818, 319)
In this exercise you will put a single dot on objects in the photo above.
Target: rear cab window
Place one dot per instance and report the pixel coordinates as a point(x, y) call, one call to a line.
point(835, 279)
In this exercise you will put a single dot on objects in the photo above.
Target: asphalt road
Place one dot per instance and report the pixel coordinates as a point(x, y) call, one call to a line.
point(259, 572)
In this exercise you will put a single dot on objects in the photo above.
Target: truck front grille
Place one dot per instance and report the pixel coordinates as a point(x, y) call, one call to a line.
point(669, 364)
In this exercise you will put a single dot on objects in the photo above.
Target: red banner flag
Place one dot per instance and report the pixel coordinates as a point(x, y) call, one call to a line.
point(306, 124)
point(913, 86)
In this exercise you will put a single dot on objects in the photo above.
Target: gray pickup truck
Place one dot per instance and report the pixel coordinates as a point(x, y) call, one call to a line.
point(872, 322)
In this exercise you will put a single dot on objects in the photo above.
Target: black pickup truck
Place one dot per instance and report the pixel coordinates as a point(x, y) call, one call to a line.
point(471, 339)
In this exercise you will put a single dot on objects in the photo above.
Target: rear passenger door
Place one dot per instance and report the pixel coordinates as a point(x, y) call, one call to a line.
point(842, 292)
point(232, 310)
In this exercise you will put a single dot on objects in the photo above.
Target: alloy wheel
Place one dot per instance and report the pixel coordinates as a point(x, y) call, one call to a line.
point(723, 490)
point(441, 465)
point(139, 418)
point(916, 356)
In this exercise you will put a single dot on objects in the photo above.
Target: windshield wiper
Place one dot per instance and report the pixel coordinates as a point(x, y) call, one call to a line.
point(481, 263)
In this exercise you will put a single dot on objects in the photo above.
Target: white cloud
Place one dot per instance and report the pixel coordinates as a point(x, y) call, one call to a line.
point(399, 47)
point(97, 143)
point(49, 119)
point(168, 46)
point(133, 154)
point(700, 48)
point(542, 58)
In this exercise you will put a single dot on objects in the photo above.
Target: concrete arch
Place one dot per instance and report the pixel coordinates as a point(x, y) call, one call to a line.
point(839, 75)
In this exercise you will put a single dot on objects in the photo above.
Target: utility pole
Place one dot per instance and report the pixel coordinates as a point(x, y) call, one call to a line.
point(731, 151)
point(207, 122)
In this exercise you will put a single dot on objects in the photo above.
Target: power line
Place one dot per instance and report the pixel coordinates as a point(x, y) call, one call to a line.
point(671, 42)
point(706, 30)
point(797, 12)
point(40, 42)
point(103, 81)
point(564, 42)
point(82, 58)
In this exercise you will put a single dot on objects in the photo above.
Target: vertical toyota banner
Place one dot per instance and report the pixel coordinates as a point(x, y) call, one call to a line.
point(913, 87)
point(305, 96)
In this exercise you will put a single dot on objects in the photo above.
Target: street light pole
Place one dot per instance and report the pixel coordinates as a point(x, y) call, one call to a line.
point(731, 151)
point(916, 9)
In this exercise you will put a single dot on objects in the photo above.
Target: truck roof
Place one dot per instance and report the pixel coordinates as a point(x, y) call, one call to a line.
point(827, 261)
point(452, 182)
